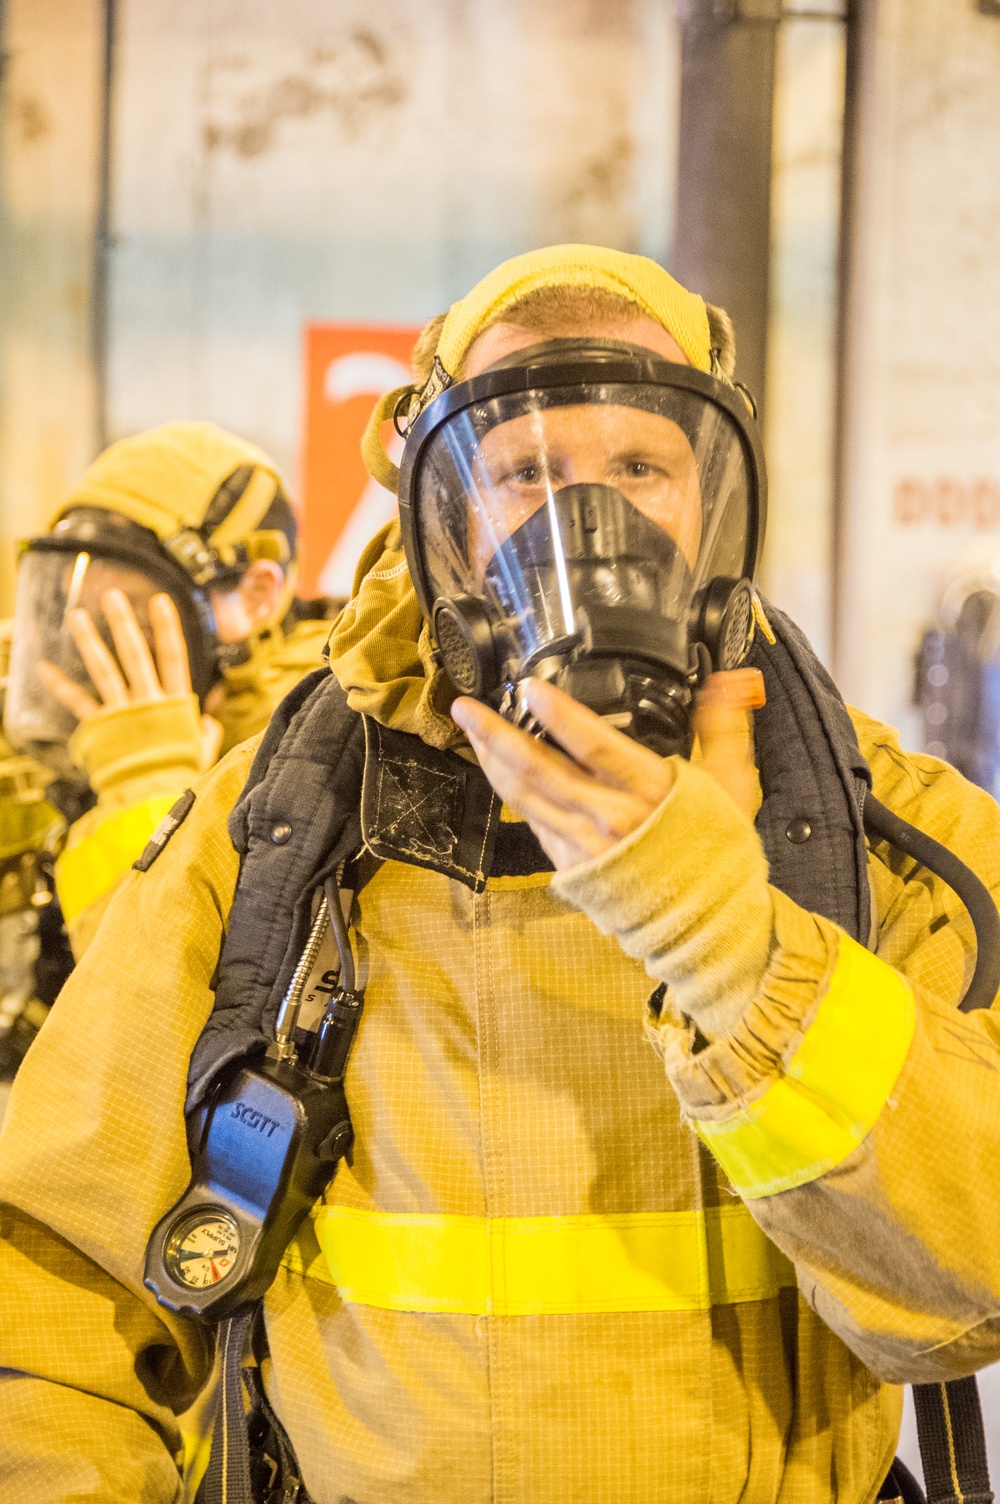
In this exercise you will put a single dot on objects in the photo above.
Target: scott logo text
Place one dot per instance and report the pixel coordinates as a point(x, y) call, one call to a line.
point(253, 1118)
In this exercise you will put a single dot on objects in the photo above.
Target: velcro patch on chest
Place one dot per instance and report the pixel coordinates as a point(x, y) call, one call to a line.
point(171, 822)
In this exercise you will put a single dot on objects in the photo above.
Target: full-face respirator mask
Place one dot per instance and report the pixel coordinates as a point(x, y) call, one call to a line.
point(87, 551)
point(588, 513)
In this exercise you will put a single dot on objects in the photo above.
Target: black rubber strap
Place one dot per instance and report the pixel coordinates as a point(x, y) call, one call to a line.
point(225, 499)
point(977, 898)
point(228, 1479)
point(952, 1442)
point(252, 1460)
point(900, 1487)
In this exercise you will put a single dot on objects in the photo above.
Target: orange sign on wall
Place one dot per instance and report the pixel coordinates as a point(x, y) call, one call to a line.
point(348, 367)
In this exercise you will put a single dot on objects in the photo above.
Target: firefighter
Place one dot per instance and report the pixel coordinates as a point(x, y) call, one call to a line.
point(156, 625)
point(673, 1157)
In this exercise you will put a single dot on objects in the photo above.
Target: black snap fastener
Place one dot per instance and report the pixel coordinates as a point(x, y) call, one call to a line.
point(799, 831)
point(281, 833)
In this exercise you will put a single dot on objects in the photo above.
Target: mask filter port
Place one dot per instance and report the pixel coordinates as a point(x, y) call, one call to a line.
point(464, 637)
point(723, 621)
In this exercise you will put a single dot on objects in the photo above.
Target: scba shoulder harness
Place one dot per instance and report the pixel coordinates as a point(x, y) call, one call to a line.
point(327, 782)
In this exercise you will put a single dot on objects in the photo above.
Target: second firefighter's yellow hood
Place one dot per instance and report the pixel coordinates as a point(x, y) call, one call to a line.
point(380, 649)
point(169, 479)
point(165, 479)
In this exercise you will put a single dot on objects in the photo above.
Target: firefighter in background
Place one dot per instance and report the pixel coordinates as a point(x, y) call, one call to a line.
point(35, 958)
point(156, 626)
point(958, 680)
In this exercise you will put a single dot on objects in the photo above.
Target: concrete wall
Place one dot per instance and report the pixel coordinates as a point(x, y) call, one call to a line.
point(922, 434)
point(49, 176)
point(275, 164)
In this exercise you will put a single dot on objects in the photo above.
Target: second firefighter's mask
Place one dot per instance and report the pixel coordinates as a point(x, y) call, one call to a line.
point(589, 513)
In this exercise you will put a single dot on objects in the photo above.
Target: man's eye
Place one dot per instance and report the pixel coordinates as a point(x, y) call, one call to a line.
point(526, 475)
point(638, 469)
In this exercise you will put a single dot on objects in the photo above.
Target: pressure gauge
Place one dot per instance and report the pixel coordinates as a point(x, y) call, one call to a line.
point(202, 1248)
point(268, 1144)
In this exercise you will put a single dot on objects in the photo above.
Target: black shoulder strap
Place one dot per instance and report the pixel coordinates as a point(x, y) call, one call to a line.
point(952, 1442)
point(252, 1459)
point(296, 819)
point(813, 781)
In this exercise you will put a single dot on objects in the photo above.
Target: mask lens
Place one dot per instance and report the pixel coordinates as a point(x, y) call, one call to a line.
point(553, 504)
point(51, 584)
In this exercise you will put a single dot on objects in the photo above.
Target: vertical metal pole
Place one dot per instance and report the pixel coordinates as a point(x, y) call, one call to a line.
point(103, 239)
point(723, 238)
point(860, 38)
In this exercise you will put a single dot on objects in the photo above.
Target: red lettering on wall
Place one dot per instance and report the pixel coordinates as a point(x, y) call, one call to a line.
point(947, 502)
point(910, 500)
point(984, 498)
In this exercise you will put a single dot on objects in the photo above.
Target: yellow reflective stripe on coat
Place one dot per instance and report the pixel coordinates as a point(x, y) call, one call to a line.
point(528, 1266)
point(87, 870)
point(834, 1086)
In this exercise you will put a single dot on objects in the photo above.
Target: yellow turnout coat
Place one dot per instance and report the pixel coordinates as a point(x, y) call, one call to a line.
point(565, 1267)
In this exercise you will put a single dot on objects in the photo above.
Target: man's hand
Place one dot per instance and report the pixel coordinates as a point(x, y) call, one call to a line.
point(581, 804)
point(135, 678)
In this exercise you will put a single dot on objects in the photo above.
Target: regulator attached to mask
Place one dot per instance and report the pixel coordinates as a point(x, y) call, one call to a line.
point(588, 513)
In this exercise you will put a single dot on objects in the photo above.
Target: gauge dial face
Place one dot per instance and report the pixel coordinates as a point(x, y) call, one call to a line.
point(202, 1249)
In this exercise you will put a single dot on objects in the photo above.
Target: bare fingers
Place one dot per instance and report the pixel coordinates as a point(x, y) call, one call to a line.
point(613, 758)
point(132, 648)
point(212, 732)
point(574, 814)
point(97, 660)
point(133, 676)
point(522, 770)
point(67, 691)
point(171, 648)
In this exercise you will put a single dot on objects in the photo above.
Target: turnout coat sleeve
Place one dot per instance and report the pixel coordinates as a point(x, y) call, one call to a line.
point(92, 1372)
point(853, 1107)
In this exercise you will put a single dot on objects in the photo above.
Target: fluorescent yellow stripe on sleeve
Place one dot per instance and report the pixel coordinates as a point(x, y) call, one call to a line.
point(834, 1086)
point(87, 870)
point(524, 1266)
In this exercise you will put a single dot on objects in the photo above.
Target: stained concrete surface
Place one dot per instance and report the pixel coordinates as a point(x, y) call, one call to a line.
point(922, 411)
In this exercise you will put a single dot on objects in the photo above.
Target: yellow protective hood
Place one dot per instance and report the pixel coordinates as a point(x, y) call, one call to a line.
point(252, 691)
point(167, 478)
point(164, 479)
point(653, 291)
point(380, 649)
point(637, 278)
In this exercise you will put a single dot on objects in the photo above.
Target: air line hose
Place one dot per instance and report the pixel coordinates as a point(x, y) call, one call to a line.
point(348, 981)
point(985, 984)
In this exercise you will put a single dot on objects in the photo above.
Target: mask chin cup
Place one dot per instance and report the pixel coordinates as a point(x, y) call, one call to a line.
point(465, 641)
point(722, 619)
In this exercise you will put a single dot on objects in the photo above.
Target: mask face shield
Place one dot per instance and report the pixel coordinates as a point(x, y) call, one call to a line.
point(590, 530)
point(56, 576)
